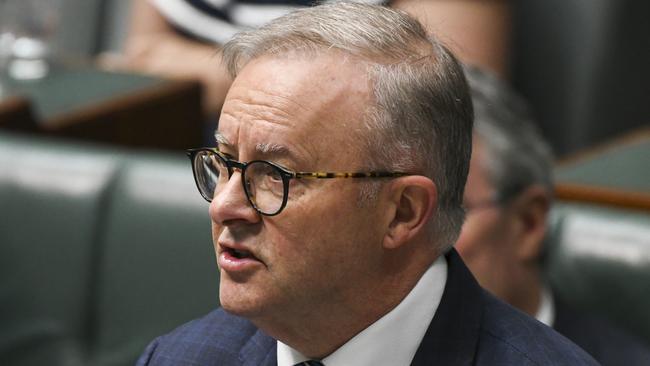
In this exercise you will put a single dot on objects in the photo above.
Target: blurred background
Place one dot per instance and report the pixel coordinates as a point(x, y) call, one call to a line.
point(104, 241)
point(582, 64)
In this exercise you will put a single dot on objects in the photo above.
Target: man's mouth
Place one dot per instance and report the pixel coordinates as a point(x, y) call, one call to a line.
point(240, 254)
point(234, 258)
point(237, 253)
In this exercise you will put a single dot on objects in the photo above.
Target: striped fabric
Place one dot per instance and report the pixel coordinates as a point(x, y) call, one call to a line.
point(216, 21)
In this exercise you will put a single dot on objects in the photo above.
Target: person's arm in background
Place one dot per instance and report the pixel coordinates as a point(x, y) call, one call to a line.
point(153, 46)
point(478, 31)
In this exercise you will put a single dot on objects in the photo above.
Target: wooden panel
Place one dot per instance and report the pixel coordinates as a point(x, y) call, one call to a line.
point(614, 174)
point(16, 114)
point(606, 196)
point(166, 116)
point(133, 110)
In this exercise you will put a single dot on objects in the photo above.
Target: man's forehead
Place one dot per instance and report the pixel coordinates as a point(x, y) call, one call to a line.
point(309, 99)
point(297, 75)
point(478, 181)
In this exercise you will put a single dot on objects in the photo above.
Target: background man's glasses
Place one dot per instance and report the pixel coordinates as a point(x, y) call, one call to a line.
point(265, 183)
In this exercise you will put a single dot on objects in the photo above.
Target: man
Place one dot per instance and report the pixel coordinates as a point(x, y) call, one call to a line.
point(354, 268)
point(508, 195)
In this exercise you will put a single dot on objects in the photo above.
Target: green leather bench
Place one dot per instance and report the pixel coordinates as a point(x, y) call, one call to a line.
point(600, 242)
point(599, 262)
point(102, 249)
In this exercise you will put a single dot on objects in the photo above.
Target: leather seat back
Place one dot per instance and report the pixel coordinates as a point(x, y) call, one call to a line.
point(598, 261)
point(158, 267)
point(52, 197)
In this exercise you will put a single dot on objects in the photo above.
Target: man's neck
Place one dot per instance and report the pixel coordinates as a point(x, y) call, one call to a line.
point(527, 295)
point(317, 333)
point(396, 336)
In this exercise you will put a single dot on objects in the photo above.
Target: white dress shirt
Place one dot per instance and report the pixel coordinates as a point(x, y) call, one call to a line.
point(395, 337)
point(546, 311)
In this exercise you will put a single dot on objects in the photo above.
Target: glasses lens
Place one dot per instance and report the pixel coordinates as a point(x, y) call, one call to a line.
point(265, 187)
point(209, 171)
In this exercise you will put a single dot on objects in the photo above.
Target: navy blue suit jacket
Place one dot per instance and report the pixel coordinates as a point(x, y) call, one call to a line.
point(470, 327)
point(607, 344)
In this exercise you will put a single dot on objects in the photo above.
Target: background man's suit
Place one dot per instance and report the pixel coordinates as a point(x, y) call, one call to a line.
point(470, 327)
point(604, 342)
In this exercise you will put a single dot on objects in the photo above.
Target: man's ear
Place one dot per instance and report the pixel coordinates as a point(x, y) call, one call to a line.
point(531, 209)
point(414, 200)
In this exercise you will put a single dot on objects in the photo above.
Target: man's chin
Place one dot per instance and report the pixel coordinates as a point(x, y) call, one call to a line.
point(239, 301)
point(234, 309)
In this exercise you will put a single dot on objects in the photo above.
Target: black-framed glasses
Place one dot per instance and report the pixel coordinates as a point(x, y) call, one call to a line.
point(266, 184)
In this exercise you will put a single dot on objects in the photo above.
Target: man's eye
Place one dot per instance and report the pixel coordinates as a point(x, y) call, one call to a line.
point(274, 175)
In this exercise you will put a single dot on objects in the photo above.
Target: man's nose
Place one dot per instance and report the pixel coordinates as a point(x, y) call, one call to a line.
point(230, 204)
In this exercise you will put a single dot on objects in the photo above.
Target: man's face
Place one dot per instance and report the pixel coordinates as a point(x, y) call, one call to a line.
point(305, 114)
point(488, 240)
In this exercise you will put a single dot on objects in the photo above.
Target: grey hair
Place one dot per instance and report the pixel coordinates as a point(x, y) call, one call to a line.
point(421, 121)
point(517, 154)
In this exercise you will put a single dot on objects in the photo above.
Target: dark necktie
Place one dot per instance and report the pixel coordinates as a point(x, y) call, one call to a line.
point(310, 363)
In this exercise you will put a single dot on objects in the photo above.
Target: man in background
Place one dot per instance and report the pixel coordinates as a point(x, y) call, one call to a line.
point(508, 195)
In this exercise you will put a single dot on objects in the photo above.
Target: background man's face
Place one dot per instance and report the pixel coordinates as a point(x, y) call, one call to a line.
point(303, 113)
point(487, 242)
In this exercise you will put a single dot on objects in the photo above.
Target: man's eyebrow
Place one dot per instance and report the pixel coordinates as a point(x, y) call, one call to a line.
point(272, 149)
point(263, 149)
point(221, 139)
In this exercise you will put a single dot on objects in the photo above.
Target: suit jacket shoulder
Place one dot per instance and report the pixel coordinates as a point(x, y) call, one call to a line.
point(510, 337)
point(471, 327)
point(218, 339)
point(603, 341)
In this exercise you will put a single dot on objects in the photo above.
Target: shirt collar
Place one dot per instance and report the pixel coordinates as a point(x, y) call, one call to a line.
point(546, 311)
point(396, 336)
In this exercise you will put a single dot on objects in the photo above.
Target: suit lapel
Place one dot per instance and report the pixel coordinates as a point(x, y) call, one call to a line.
point(260, 350)
point(453, 334)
